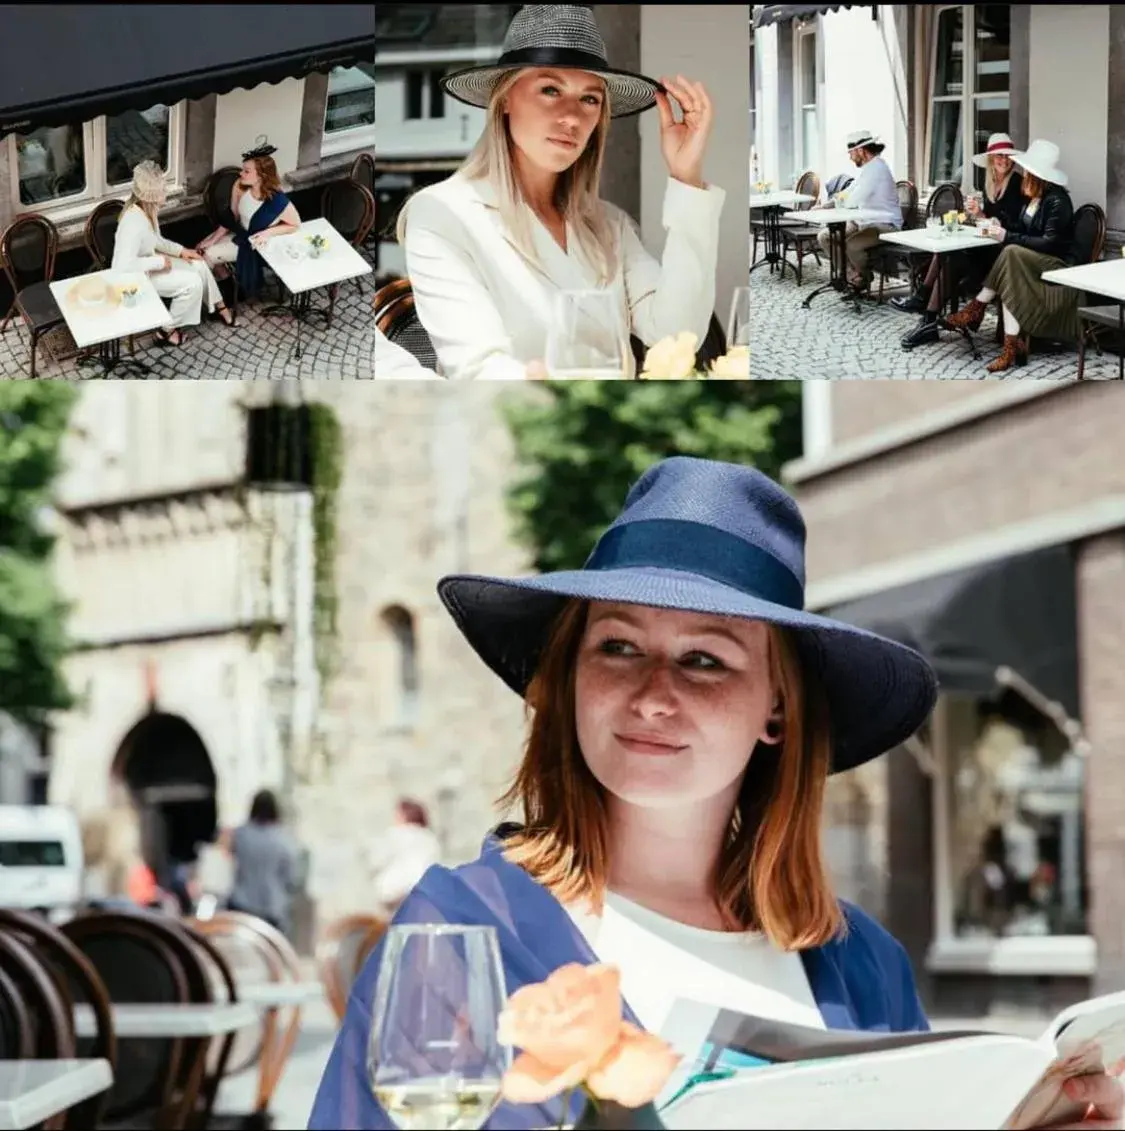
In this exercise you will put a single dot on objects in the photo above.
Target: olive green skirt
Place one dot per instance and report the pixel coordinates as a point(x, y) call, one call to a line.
point(1044, 310)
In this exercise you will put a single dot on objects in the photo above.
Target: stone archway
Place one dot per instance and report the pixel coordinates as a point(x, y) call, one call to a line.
point(168, 772)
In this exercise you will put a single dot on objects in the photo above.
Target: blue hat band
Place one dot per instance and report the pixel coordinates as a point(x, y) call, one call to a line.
point(668, 543)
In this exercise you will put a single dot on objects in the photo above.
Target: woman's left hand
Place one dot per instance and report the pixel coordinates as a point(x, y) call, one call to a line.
point(259, 239)
point(189, 254)
point(684, 143)
point(1106, 1096)
point(997, 232)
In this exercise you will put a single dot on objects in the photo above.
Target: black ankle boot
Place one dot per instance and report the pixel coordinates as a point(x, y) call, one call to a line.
point(913, 304)
point(926, 331)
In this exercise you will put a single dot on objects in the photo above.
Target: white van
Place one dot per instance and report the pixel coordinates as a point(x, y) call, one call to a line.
point(40, 858)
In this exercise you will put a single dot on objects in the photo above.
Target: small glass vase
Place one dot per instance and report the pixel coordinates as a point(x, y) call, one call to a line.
point(606, 1116)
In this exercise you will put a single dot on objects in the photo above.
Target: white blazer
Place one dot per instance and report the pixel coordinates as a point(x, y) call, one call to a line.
point(488, 308)
point(393, 363)
point(136, 247)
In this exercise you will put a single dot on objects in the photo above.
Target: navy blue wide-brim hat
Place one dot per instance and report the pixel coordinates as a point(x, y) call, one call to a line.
point(709, 537)
point(565, 36)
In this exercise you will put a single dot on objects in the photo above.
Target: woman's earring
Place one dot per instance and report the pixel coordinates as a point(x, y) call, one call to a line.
point(774, 730)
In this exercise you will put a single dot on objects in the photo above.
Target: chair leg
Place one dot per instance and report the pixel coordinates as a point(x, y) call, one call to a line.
point(8, 317)
point(34, 351)
point(1081, 350)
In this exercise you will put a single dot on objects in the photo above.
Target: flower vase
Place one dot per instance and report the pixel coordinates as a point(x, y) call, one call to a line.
point(606, 1116)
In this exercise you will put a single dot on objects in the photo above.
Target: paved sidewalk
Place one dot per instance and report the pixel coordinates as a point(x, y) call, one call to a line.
point(256, 349)
point(830, 340)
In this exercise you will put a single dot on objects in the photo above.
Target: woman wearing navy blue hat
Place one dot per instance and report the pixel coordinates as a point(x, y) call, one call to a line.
point(489, 248)
point(687, 713)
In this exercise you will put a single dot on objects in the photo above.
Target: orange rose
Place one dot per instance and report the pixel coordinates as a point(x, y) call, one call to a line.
point(564, 1027)
point(635, 1070)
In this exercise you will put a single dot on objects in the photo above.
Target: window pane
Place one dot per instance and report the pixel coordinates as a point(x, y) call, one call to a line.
point(414, 110)
point(811, 142)
point(950, 72)
point(1016, 829)
point(808, 70)
point(52, 164)
point(133, 137)
point(990, 116)
point(993, 38)
point(351, 98)
point(437, 95)
point(946, 155)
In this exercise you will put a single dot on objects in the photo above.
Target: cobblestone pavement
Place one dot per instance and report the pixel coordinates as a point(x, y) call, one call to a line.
point(257, 348)
point(830, 340)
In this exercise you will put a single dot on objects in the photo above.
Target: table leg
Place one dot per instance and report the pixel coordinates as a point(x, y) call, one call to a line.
point(949, 298)
point(108, 358)
point(836, 256)
point(772, 239)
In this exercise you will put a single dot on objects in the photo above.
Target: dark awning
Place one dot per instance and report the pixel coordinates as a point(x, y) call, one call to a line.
point(1016, 612)
point(64, 63)
point(766, 14)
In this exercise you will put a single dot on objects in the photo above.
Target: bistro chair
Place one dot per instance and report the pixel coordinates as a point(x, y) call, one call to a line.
point(28, 248)
point(101, 232)
point(363, 172)
point(397, 320)
point(350, 208)
point(808, 184)
point(802, 238)
point(342, 950)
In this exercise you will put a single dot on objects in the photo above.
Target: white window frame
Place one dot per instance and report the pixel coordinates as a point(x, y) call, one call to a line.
point(808, 29)
point(332, 144)
point(1050, 955)
point(969, 95)
point(98, 189)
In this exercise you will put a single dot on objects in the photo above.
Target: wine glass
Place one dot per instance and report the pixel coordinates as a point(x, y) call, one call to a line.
point(588, 339)
point(738, 327)
point(433, 1059)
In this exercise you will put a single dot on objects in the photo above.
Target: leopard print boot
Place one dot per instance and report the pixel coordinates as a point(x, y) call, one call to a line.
point(969, 317)
point(1013, 353)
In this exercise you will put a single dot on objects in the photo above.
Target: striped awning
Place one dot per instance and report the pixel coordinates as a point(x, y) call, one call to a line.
point(766, 14)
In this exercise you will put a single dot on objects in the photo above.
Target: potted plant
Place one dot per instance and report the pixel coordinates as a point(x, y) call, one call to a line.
point(130, 294)
point(317, 246)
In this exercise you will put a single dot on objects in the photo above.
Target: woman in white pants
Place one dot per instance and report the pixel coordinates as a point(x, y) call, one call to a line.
point(177, 272)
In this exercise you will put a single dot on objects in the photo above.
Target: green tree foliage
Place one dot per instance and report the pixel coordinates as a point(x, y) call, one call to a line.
point(33, 419)
point(582, 444)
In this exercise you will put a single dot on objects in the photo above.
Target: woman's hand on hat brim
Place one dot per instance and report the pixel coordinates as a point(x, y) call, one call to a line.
point(684, 143)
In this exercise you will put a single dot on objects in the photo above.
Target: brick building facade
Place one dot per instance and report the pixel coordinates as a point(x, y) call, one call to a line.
point(903, 485)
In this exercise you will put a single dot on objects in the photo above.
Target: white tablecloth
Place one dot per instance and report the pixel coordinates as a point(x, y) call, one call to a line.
point(1106, 278)
point(782, 199)
point(825, 216)
point(270, 995)
point(337, 263)
point(162, 1020)
point(922, 239)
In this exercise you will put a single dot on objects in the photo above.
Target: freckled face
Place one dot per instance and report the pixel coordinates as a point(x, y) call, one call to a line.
point(552, 115)
point(670, 704)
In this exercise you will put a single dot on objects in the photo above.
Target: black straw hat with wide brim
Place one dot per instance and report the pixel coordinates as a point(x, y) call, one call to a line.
point(564, 36)
point(709, 537)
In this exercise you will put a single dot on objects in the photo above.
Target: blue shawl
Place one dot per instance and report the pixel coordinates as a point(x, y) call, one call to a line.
point(862, 981)
point(248, 265)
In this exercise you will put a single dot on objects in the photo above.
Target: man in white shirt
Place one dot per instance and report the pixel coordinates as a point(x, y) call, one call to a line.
point(872, 190)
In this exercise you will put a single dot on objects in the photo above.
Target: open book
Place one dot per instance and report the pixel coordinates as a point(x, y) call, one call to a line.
point(741, 1072)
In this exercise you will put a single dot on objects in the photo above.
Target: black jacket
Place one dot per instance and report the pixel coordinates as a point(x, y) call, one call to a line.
point(1008, 208)
point(1050, 229)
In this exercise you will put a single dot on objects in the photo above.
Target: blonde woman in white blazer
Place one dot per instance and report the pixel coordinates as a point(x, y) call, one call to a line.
point(489, 249)
point(177, 272)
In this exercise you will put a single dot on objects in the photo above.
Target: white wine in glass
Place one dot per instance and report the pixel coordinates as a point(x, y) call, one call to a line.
point(738, 328)
point(434, 1060)
point(587, 340)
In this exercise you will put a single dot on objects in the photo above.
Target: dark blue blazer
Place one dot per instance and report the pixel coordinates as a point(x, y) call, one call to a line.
point(862, 981)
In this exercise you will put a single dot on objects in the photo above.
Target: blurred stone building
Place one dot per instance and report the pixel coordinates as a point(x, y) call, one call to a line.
point(983, 523)
point(188, 548)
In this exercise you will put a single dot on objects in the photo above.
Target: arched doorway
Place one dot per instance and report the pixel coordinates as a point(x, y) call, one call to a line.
point(168, 772)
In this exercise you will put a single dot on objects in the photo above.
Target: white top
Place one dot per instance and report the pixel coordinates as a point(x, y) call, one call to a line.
point(1105, 278)
point(165, 1019)
point(661, 960)
point(399, 858)
point(289, 256)
point(31, 1091)
point(138, 246)
point(247, 206)
point(393, 363)
point(874, 189)
point(488, 308)
point(923, 239)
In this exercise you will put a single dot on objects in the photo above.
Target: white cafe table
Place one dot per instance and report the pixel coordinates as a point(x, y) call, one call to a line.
point(279, 995)
point(103, 321)
point(169, 1020)
point(302, 274)
point(32, 1091)
point(1106, 278)
point(772, 204)
point(937, 241)
point(835, 220)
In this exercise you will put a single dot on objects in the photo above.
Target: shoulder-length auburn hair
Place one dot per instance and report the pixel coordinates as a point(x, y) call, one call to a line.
point(269, 180)
point(771, 875)
point(576, 192)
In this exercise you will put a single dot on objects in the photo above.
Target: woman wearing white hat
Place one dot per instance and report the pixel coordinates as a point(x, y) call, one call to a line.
point(489, 249)
point(1003, 201)
point(177, 272)
point(1042, 239)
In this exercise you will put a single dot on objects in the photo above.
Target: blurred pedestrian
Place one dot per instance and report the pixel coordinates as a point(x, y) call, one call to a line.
point(402, 854)
point(265, 857)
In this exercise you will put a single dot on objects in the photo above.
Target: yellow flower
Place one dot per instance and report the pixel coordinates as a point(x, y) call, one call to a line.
point(961, 217)
point(671, 359)
point(734, 365)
